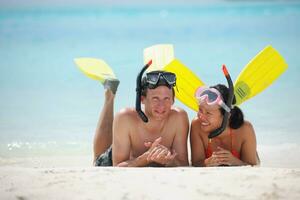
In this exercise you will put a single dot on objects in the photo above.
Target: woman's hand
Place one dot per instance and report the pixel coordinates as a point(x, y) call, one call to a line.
point(225, 157)
point(212, 161)
point(222, 157)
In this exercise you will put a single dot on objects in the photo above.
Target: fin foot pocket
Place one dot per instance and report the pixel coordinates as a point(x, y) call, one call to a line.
point(111, 84)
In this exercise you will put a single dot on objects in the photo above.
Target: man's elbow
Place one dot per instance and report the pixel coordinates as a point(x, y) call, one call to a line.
point(119, 163)
point(122, 164)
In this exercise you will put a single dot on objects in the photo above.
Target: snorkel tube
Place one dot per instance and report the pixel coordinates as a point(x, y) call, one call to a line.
point(218, 131)
point(139, 93)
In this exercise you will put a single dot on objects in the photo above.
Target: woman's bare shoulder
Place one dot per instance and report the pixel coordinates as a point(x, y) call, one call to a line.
point(247, 130)
point(196, 126)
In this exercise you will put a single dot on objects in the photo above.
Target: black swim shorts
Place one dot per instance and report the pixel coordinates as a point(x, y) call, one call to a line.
point(104, 159)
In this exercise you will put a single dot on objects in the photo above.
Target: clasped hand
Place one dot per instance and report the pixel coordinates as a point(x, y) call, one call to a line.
point(159, 153)
point(221, 157)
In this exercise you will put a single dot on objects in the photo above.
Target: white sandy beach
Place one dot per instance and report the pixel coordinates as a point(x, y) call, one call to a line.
point(74, 178)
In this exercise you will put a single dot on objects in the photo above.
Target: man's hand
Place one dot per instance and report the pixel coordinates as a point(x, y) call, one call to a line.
point(159, 153)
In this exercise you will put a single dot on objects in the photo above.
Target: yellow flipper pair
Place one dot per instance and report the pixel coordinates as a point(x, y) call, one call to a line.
point(256, 76)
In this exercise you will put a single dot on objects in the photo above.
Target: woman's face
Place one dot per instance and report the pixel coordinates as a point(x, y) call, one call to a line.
point(210, 117)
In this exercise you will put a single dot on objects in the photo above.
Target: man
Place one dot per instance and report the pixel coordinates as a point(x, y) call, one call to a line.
point(162, 141)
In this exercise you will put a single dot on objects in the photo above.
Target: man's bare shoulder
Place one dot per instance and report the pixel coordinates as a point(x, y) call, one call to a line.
point(179, 113)
point(126, 114)
point(124, 120)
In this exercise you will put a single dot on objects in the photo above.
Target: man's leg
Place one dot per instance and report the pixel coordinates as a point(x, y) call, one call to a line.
point(103, 133)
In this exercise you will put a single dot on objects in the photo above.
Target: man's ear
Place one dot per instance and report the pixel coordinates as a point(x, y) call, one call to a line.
point(173, 101)
point(143, 99)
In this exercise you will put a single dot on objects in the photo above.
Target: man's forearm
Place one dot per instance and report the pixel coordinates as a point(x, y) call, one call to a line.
point(140, 161)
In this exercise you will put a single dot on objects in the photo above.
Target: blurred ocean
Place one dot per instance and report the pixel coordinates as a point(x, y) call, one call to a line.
point(48, 107)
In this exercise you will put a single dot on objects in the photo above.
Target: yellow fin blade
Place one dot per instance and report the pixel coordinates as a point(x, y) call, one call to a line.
point(96, 69)
point(187, 83)
point(160, 54)
point(258, 74)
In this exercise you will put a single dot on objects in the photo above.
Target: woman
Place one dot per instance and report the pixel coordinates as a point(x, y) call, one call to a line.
point(235, 146)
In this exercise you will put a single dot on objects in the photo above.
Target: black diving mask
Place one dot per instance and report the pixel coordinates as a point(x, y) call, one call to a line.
point(154, 78)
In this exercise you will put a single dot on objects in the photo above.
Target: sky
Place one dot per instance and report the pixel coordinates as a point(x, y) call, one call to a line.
point(26, 3)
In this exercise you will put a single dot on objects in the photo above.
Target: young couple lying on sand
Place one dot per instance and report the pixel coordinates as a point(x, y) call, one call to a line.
point(157, 136)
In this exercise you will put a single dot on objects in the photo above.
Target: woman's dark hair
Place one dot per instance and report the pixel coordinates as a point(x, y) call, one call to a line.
point(236, 119)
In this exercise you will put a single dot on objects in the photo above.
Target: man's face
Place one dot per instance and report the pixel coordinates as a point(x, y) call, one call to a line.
point(158, 102)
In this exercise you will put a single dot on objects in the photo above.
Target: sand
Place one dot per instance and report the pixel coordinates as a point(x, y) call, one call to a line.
point(74, 178)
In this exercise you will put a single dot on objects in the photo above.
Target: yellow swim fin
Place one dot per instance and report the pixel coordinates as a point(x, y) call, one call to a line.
point(187, 83)
point(98, 70)
point(95, 69)
point(258, 74)
point(160, 54)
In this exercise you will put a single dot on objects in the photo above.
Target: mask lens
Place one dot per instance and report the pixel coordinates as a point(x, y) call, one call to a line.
point(152, 78)
point(170, 78)
point(212, 96)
